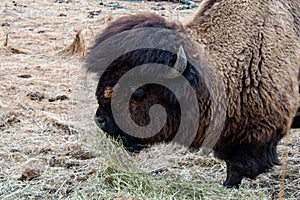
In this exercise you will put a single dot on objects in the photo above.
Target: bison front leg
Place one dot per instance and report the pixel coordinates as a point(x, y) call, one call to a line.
point(249, 161)
point(234, 176)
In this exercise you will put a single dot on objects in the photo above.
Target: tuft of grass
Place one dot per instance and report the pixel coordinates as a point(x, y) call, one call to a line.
point(121, 178)
point(110, 183)
point(77, 47)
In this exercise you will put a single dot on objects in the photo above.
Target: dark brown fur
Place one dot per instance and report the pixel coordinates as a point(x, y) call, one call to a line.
point(255, 54)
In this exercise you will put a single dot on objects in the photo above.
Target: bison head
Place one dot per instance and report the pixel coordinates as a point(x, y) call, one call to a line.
point(143, 96)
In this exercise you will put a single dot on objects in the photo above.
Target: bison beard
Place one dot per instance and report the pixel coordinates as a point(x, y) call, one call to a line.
point(247, 143)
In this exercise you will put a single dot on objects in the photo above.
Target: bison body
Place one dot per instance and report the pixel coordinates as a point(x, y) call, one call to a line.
point(251, 46)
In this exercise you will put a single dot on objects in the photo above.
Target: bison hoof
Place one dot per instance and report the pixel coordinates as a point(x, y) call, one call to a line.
point(231, 184)
point(233, 180)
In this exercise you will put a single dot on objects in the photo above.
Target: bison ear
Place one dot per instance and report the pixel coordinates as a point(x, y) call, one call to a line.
point(180, 64)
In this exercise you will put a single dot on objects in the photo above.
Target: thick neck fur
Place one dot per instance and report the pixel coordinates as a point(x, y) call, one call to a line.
point(250, 41)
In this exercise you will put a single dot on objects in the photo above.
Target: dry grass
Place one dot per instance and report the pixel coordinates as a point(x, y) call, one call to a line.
point(77, 47)
point(50, 149)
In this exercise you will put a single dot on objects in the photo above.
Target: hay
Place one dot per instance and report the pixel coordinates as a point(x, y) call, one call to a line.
point(57, 139)
point(77, 47)
point(175, 177)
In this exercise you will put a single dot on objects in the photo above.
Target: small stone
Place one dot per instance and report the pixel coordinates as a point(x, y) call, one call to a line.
point(36, 96)
point(5, 24)
point(59, 97)
point(62, 97)
point(25, 76)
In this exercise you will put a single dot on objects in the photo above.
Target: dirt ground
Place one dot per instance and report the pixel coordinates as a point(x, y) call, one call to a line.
point(47, 102)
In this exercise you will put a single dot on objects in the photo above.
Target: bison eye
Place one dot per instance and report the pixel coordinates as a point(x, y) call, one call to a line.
point(138, 93)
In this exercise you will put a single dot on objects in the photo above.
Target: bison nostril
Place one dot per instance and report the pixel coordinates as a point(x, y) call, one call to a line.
point(100, 120)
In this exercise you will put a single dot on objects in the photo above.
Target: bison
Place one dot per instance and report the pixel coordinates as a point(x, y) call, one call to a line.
point(296, 121)
point(241, 57)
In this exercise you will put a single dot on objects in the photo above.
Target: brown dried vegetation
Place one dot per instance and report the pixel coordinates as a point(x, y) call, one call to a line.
point(40, 135)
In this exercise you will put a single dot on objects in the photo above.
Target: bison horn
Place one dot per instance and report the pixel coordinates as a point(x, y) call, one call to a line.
point(180, 64)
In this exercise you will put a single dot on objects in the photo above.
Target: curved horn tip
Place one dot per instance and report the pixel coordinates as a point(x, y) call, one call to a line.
point(180, 64)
